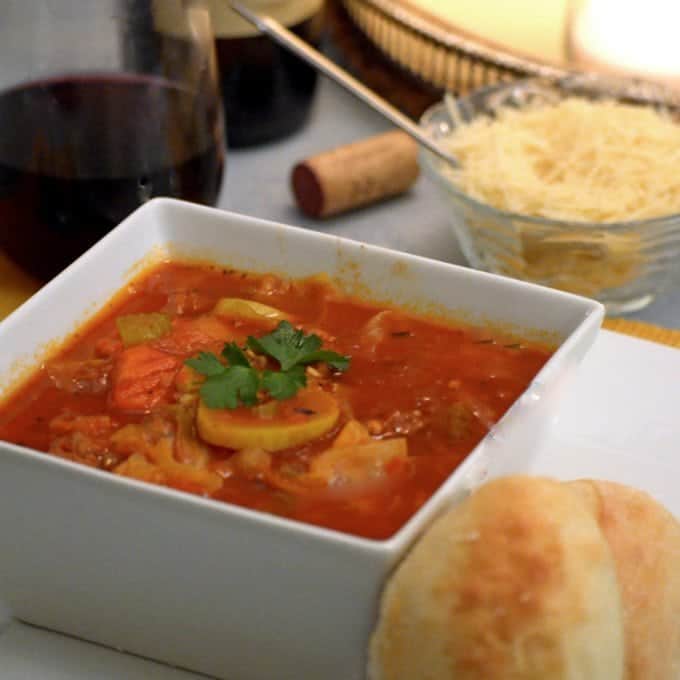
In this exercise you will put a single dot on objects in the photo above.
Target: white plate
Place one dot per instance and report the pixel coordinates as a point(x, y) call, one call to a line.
point(619, 421)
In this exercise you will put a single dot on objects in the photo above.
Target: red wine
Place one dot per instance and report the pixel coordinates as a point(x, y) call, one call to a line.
point(79, 153)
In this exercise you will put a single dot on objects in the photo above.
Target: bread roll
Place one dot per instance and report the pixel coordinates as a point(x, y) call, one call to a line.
point(645, 542)
point(515, 583)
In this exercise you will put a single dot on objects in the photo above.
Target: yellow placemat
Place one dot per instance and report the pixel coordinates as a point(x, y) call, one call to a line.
point(16, 287)
point(648, 331)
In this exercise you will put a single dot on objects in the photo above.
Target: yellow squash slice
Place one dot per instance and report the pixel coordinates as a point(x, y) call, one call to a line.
point(308, 415)
point(248, 309)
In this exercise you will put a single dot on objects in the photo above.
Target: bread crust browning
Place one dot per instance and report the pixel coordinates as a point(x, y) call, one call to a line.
point(645, 542)
point(516, 583)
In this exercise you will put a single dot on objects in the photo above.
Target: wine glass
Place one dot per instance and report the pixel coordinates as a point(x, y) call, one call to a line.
point(100, 110)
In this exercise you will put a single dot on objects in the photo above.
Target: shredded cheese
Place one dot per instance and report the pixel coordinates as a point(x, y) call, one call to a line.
point(576, 160)
point(579, 161)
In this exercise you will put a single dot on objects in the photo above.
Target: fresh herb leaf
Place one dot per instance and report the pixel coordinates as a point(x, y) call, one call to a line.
point(235, 355)
point(284, 384)
point(285, 344)
point(227, 386)
point(291, 347)
point(333, 359)
point(206, 363)
point(236, 385)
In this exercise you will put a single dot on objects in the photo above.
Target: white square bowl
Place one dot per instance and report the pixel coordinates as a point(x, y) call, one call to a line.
point(201, 584)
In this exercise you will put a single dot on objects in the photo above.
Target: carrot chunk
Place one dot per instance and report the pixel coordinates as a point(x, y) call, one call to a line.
point(141, 378)
point(193, 334)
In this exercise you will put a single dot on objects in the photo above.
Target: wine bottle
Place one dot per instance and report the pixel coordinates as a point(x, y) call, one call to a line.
point(267, 90)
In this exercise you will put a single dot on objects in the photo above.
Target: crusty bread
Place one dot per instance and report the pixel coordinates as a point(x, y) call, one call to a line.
point(645, 542)
point(515, 583)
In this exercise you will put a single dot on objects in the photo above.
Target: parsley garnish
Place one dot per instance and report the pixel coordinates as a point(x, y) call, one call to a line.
point(238, 383)
point(291, 347)
point(284, 384)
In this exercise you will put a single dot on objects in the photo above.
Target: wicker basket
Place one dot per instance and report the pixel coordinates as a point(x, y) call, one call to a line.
point(458, 62)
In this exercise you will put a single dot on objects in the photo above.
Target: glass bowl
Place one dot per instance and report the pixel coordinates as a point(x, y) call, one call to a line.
point(624, 265)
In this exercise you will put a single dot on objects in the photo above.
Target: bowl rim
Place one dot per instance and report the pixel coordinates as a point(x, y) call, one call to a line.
point(431, 165)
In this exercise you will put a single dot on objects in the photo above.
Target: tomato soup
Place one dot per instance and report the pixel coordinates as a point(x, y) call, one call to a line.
point(284, 396)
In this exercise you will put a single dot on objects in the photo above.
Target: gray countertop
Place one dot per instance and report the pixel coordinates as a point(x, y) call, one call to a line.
point(257, 183)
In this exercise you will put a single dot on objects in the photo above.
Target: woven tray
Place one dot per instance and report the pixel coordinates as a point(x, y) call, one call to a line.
point(453, 60)
point(445, 58)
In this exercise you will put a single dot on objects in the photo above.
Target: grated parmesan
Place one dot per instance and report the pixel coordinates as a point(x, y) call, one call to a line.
point(577, 160)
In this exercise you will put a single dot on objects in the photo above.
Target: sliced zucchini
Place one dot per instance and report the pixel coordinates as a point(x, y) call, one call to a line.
point(304, 417)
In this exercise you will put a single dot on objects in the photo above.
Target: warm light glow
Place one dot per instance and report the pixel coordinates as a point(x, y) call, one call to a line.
point(622, 36)
point(531, 27)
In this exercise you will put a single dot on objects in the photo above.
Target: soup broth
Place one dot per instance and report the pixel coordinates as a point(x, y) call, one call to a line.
point(285, 396)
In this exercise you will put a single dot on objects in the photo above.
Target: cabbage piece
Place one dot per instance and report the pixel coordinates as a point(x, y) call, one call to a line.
point(359, 464)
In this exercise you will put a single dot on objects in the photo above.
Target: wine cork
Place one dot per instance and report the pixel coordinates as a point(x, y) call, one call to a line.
point(357, 174)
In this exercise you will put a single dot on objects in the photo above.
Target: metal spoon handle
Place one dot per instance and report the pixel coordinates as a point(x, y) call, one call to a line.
point(289, 40)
